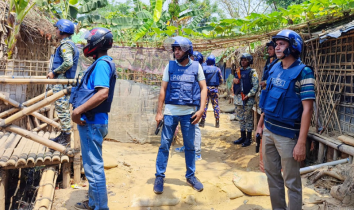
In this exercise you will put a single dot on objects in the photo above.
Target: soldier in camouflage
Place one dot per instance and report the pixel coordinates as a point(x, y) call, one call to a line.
point(244, 107)
point(64, 65)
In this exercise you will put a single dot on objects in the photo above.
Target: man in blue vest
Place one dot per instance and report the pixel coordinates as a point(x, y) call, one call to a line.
point(64, 66)
point(245, 89)
point(287, 105)
point(213, 79)
point(197, 56)
point(91, 101)
point(272, 59)
point(183, 88)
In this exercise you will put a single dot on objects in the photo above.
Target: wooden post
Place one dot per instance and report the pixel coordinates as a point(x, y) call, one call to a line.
point(320, 152)
point(66, 175)
point(77, 157)
point(3, 183)
point(335, 154)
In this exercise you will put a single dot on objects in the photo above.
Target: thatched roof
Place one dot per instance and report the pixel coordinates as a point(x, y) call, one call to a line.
point(36, 26)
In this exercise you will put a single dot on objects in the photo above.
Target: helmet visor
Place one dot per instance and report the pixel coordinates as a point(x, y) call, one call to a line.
point(171, 42)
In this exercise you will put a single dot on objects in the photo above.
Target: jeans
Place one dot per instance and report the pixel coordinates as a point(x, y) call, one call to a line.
point(168, 130)
point(198, 140)
point(91, 136)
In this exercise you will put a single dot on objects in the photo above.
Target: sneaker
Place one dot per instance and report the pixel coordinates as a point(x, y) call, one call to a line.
point(180, 149)
point(198, 157)
point(83, 205)
point(158, 185)
point(195, 183)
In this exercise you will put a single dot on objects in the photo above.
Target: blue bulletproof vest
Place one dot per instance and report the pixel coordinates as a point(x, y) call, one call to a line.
point(267, 68)
point(279, 100)
point(81, 94)
point(246, 81)
point(58, 60)
point(211, 75)
point(183, 87)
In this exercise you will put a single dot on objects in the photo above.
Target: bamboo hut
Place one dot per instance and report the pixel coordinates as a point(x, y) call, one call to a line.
point(27, 113)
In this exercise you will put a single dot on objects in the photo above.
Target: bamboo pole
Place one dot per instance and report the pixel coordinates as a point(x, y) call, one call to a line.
point(37, 81)
point(34, 150)
point(40, 154)
point(33, 108)
point(37, 98)
point(40, 140)
point(3, 185)
point(27, 103)
point(46, 120)
point(47, 187)
point(66, 175)
point(8, 152)
point(22, 161)
point(43, 125)
point(8, 112)
point(22, 77)
point(77, 157)
point(6, 144)
point(8, 100)
point(17, 152)
point(330, 142)
point(48, 155)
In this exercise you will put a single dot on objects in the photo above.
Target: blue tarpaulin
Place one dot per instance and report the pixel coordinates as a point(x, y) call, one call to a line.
point(338, 33)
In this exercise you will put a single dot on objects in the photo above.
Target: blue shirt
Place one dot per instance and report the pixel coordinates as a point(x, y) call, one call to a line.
point(100, 77)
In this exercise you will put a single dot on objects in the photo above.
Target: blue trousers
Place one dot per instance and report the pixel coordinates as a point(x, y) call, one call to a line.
point(91, 136)
point(198, 140)
point(168, 130)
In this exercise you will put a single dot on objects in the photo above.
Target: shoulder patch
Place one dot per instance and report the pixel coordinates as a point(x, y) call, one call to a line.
point(64, 50)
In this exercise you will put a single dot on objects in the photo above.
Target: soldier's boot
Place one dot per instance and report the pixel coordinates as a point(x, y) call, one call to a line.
point(57, 138)
point(248, 139)
point(241, 139)
point(202, 123)
point(65, 139)
point(217, 125)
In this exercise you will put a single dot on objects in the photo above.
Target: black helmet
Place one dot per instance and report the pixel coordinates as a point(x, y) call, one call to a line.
point(270, 43)
point(97, 39)
point(248, 56)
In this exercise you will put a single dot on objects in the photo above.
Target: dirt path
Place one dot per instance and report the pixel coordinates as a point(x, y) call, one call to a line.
point(131, 183)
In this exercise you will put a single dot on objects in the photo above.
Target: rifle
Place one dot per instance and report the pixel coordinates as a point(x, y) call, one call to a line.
point(238, 71)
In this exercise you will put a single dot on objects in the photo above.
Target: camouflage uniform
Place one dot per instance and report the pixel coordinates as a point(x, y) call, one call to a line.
point(213, 94)
point(244, 112)
point(62, 104)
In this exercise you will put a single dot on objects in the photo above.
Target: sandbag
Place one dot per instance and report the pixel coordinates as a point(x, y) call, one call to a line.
point(227, 109)
point(109, 161)
point(151, 200)
point(251, 183)
point(346, 140)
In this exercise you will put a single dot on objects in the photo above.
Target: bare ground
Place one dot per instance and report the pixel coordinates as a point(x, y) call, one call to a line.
point(130, 185)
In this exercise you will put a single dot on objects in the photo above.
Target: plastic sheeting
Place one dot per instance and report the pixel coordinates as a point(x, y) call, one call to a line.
point(132, 116)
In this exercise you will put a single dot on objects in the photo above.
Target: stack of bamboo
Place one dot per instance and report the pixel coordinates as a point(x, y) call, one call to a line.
point(32, 108)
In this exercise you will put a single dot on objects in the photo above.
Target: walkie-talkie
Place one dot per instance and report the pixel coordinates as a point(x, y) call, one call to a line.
point(159, 127)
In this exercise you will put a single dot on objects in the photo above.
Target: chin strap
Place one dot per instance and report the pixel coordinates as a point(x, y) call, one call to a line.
point(185, 56)
point(286, 53)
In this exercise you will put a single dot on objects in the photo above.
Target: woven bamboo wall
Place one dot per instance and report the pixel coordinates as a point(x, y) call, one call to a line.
point(335, 82)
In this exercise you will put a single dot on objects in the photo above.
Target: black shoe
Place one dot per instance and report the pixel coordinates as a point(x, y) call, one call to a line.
point(65, 139)
point(202, 123)
point(241, 139)
point(57, 138)
point(248, 139)
point(217, 125)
